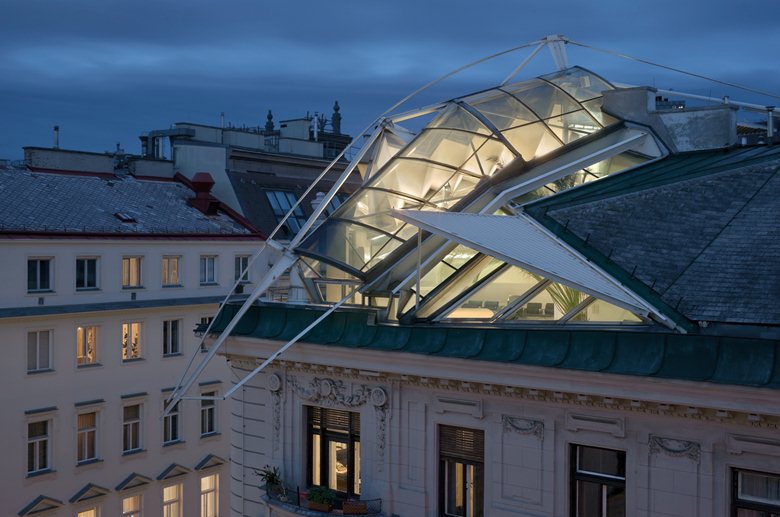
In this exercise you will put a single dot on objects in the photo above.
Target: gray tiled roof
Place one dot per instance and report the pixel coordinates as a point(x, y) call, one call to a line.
point(709, 245)
point(46, 202)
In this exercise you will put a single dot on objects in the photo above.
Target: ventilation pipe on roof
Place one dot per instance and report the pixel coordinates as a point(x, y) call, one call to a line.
point(56, 137)
point(202, 183)
point(770, 124)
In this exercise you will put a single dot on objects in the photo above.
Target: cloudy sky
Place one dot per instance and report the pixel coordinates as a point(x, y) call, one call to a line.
point(106, 71)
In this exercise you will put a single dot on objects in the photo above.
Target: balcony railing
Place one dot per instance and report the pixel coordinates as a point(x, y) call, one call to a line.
point(295, 503)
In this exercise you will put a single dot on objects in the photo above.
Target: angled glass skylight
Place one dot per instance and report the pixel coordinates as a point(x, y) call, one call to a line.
point(470, 139)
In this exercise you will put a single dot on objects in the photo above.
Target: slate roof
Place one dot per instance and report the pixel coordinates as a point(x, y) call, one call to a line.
point(702, 230)
point(77, 204)
point(665, 355)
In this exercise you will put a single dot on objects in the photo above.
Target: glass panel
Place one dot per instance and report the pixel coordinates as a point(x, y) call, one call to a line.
point(315, 459)
point(457, 187)
point(442, 146)
point(760, 488)
point(441, 271)
point(455, 489)
point(480, 271)
point(338, 461)
point(544, 99)
point(497, 294)
point(32, 351)
point(593, 460)
point(616, 500)
point(579, 83)
point(455, 117)
point(493, 155)
point(356, 464)
point(503, 110)
point(603, 312)
point(594, 108)
point(349, 243)
point(552, 303)
point(572, 126)
point(589, 499)
point(532, 141)
point(415, 178)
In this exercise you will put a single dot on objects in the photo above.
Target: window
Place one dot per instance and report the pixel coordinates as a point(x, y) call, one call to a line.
point(131, 428)
point(38, 350)
point(86, 437)
point(171, 426)
point(209, 499)
point(598, 484)
point(461, 471)
point(334, 449)
point(86, 345)
point(171, 337)
point(170, 271)
point(38, 446)
point(131, 272)
point(89, 512)
point(172, 501)
point(86, 273)
point(208, 416)
point(208, 269)
point(131, 506)
point(281, 203)
point(39, 275)
point(131, 341)
point(242, 263)
point(755, 494)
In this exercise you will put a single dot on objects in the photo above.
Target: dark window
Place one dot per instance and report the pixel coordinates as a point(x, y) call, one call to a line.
point(171, 337)
point(281, 203)
point(171, 425)
point(38, 275)
point(755, 494)
point(86, 273)
point(598, 484)
point(131, 428)
point(242, 264)
point(334, 450)
point(461, 471)
point(208, 414)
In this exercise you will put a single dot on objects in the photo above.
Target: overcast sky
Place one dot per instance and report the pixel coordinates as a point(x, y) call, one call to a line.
point(106, 71)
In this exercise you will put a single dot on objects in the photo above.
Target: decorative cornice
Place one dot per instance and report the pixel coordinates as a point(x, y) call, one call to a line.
point(331, 392)
point(523, 426)
point(674, 447)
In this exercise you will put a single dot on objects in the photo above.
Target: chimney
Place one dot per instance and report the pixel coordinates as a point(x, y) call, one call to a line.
point(202, 183)
point(56, 137)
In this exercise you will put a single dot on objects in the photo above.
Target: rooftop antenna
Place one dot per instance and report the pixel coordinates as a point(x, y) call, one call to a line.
point(56, 137)
point(222, 119)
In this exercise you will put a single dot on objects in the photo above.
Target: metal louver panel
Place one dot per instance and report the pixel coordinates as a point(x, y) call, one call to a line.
point(462, 443)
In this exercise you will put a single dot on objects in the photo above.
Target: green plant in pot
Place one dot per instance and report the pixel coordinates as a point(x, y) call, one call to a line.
point(271, 478)
point(321, 498)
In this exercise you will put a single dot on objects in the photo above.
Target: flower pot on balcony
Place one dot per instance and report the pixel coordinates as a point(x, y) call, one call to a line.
point(320, 507)
point(354, 507)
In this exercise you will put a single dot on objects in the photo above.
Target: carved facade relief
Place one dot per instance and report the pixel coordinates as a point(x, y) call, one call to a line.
point(674, 447)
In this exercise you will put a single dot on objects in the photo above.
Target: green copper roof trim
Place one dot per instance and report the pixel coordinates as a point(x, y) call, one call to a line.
point(719, 360)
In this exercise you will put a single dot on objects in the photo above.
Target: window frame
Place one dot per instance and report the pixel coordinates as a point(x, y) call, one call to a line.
point(168, 335)
point(350, 436)
point(127, 331)
point(134, 512)
point(132, 264)
point(85, 274)
point(38, 369)
point(178, 501)
point(49, 288)
point(172, 426)
point(167, 273)
point(82, 339)
point(203, 274)
point(35, 442)
point(240, 263)
point(208, 413)
point(278, 198)
point(127, 429)
point(605, 480)
point(83, 438)
point(745, 504)
point(466, 459)
point(213, 510)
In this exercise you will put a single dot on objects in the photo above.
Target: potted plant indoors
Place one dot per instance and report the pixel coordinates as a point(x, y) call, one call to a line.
point(272, 482)
point(321, 498)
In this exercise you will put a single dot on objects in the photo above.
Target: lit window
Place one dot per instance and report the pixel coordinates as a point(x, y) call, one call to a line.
point(171, 426)
point(208, 269)
point(131, 428)
point(242, 264)
point(131, 341)
point(172, 501)
point(281, 203)
point(598, 481)
point(86, 345)
point(171, 337)
point(755, 494)
point(170, 271)
point(462, 471)
point(39, 275)
point(209, 497)
point(334, 445)
point(86, 273)
point(86, 437)
point(89, 512)
point(131, 506)
point(131, 272)
point(208, 416)
point(38, 350)
point(38, 446)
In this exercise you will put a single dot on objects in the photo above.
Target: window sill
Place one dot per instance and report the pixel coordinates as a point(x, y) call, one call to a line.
point(42, 370)
point(41, 291)
point(175, 354)
point(40, 473)
point(210, 435)
point(172, 286)
point(209, 284)
point(91, 461)
point(132, 452)
point(132, 360)
point(173, 442)
point(132, 287)
point(87, 289)
point(88, 365)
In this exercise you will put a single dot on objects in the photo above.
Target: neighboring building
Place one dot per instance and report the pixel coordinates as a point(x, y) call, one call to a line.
point(259, 171)
point(104, 276)
point(565, 306)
